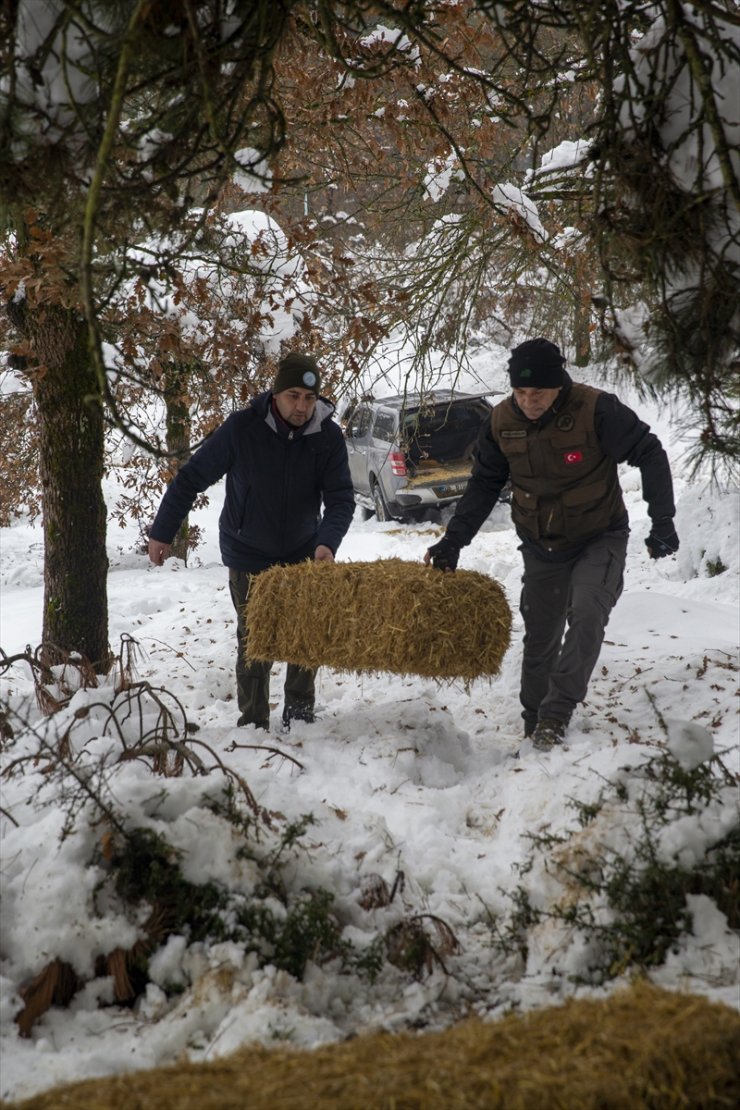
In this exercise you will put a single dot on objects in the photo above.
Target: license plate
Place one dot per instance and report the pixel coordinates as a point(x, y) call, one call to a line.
point(448, 488)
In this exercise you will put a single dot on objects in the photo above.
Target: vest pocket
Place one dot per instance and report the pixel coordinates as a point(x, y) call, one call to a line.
point(571, 457)
point(524, 511)
point(583, 509)
point(582, 496)
point(517, 455)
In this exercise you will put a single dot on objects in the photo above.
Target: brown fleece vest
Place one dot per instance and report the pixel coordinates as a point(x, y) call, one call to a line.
point(565, 489)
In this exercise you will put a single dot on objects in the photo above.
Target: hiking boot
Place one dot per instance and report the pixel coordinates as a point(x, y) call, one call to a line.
point(244, 719)
point(297, 713)
point(548, 734)
point(530, 724)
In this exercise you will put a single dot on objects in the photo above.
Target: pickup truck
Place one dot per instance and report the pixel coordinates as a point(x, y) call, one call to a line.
point(411, 453)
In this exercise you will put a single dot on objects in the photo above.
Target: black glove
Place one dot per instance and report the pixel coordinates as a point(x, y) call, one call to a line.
point(444, 555)
point(662, 540)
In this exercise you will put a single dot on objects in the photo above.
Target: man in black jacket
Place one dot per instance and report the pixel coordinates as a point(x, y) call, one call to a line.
point(282, 456)
point(560, 443)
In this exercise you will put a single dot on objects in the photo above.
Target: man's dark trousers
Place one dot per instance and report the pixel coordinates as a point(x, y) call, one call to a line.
point(253, 678)
point(579, 592)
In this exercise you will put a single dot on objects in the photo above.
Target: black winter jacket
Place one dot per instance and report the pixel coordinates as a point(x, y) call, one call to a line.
point(621, 435)
point(276, 480)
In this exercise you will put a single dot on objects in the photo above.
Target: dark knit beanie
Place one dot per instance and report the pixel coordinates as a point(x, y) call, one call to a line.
point(536, 364)
point(297, 371)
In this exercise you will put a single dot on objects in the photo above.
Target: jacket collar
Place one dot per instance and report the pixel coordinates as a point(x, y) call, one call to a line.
point(262, 404)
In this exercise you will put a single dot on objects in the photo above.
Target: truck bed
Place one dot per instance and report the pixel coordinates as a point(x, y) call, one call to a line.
point(429, 471)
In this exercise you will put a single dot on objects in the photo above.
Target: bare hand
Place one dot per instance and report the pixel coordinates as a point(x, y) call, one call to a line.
point(323, 554)
point(158, 552)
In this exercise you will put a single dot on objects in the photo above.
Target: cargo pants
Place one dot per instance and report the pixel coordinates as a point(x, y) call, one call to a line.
point(580, 593)
point(253, 677)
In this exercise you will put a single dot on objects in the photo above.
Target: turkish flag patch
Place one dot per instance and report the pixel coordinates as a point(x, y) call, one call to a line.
point(572, 457)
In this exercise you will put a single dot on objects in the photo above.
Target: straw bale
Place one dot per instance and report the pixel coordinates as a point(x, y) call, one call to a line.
point(641, 1048)
point(386, 615)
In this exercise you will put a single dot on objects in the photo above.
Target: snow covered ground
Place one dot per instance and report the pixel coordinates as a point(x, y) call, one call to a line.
point(400, 775)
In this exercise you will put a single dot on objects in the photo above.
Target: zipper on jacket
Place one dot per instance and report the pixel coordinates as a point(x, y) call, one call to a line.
point(286, 486)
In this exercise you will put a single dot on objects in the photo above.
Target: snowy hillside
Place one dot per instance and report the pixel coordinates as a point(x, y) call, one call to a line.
point(401, 777)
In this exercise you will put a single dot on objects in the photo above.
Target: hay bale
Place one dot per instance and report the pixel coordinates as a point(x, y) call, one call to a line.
point(387, 615)
point(640, 1049)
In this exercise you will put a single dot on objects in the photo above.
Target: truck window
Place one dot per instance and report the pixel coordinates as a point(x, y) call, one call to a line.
point(385, 426)
point(360, 422)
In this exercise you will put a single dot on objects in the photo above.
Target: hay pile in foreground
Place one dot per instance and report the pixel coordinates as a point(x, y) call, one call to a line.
point(642, 1048)
point(387, 615)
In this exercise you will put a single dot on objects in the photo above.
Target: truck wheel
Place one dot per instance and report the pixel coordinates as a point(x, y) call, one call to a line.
point(381, 509)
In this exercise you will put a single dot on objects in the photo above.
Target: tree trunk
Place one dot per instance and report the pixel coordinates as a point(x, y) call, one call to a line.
point(582, 327)
point(179, 429)
point(71, 433)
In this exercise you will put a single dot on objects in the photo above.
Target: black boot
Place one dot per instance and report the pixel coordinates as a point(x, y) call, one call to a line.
point(297, 711)
point(548, 734)
point(245, 719)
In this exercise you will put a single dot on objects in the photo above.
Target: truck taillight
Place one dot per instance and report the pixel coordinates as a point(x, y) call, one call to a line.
point(398, 464)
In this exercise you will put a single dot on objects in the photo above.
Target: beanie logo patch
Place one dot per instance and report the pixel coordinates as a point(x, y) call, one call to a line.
point(525, 373)
point(570, 457)
point(309, 379)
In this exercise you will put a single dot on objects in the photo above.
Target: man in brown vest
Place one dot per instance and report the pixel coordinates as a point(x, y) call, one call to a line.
point(560, 443)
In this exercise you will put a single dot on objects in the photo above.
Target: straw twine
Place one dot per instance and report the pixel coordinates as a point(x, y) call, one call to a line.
point(386, 615)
